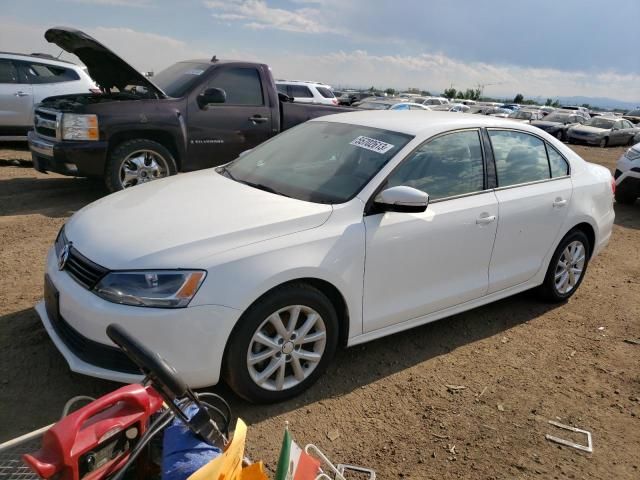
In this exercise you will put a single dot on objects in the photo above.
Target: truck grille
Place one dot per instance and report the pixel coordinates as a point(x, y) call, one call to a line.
point(47, 122)
point(79, 267)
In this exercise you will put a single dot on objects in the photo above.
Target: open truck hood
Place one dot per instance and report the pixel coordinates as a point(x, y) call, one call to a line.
point(104, 66)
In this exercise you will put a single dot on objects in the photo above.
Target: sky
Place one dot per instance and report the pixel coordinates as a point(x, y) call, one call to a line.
point(540, 48)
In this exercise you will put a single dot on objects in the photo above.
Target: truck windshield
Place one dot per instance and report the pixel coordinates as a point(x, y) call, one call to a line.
point(321, 162)
point(176, 80)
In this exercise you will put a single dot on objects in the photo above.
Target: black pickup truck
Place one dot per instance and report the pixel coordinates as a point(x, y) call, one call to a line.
point(195, 114)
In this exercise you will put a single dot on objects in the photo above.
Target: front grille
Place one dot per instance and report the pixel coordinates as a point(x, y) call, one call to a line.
point(46, 122)
point(79, 267)
point(90, 351)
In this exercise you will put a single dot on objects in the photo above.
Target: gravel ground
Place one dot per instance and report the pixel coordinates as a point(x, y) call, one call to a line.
point(386, 404)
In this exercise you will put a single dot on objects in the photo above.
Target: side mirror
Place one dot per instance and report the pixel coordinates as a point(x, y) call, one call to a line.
point(283, 97)
point(402, 199)
point(211, 95)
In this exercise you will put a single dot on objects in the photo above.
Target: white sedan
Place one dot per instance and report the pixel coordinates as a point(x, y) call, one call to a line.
point(339, 231)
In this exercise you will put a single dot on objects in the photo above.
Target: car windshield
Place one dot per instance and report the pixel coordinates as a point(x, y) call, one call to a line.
point(557, 117)
point(321, 162)
point(634, 113)
point(600, 122)
point(374, 106)
point(178, 78)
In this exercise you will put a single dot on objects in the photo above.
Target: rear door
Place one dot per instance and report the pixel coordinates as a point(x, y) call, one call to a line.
point(16, 100)
point(534, 191)
point(219, 133)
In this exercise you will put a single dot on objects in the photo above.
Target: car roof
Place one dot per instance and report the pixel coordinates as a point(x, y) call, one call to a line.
point(40, 57)
point(301, 82)
point(419, 123)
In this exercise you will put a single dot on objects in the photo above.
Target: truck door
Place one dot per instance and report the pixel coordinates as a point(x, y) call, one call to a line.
point(219, 132)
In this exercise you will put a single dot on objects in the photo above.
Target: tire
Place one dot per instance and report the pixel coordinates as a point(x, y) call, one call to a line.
point(549, 290)
point(625, 197)
point(604, 143)
point(631, 142)
point(243, 378)
point(151, 155)
point(560, 135)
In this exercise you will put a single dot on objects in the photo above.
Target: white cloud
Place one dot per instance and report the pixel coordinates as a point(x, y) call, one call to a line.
point(256, 14)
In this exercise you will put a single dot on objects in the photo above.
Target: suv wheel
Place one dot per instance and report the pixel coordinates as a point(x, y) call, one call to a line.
point(567, 267)
point(281, 345)
point(138, 161)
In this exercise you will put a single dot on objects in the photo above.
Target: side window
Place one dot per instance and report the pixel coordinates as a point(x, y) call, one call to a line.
point(300, 91)
point(39, 73)
point(627, 124)
point(400, 106)
point(520, 158)
point(559, 166)
point(242, 85)
point(448, 165)
point(8, 72)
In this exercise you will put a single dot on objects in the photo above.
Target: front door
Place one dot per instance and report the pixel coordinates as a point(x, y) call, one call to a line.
point(218, 133)
point(419, 263)
point(16, 100)
point(534, 191)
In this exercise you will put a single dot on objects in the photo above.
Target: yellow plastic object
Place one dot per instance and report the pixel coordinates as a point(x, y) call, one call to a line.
point(228, 466)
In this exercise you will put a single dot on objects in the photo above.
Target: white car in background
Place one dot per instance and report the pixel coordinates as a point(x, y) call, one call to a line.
point(627, 176)
point(26, 80)
point(265, 275)
point(307, 92)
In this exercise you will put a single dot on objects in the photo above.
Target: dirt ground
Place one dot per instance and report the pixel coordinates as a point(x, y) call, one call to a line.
point(386, 404)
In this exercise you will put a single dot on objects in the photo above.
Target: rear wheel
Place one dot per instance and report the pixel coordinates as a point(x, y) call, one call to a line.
point(138, 161)
point(282, 344)
point(560, 135)
point(567, 267)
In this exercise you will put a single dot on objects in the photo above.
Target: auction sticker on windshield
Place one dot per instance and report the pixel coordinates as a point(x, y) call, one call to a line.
point(371, 144)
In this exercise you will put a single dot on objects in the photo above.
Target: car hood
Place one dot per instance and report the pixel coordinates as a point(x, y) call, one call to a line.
point(589, 129)
point(105, 67)
point(179, 221)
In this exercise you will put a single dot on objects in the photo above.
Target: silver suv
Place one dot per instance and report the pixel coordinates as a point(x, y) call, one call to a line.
point(25, 80)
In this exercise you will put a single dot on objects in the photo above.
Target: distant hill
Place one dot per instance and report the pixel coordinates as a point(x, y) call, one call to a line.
point(601, 102)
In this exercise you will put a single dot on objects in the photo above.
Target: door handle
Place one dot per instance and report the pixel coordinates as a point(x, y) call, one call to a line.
point(559, 202)
point(258, 119)
point(484, 220)
point(20, 93)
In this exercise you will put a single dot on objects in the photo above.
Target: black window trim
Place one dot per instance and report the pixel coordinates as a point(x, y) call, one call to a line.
point(545, 142)
point(369, 206)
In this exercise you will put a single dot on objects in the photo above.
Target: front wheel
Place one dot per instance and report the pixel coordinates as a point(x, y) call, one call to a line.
point(567, 267)
point(604, 143)
point(560, 135)
point(138, 161)
point(281, 345)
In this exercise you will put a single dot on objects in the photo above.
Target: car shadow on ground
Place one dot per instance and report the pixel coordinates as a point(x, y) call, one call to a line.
point(628, 216)
point(361, 365)
point(28, 360)
point(52, 197)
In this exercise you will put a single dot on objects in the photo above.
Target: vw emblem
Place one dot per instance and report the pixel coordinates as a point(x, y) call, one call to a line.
point(64, 256)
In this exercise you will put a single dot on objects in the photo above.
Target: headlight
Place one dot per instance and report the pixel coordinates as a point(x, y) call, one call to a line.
point(161, 289)
point(632, 154)
point(79, 127)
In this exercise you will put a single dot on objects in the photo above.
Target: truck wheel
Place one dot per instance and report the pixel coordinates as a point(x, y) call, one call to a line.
point(138, 161)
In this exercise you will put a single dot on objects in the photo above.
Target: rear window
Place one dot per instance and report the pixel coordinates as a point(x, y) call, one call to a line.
point(325, 92)
point(40, 73)
point(300, 91)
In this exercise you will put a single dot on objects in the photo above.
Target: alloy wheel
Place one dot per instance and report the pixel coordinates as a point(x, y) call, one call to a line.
point(286, 348)
point(570, 267)
point(142, 166)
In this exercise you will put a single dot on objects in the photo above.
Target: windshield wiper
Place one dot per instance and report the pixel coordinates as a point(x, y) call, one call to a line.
point(264, 188)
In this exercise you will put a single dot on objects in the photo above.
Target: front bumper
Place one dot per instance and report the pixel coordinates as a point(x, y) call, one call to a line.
point(191, 339)
point(73, 158)
point(628, 180)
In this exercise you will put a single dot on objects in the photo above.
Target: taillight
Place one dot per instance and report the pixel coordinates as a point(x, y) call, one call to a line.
point(613, 186)
point(334, 101)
